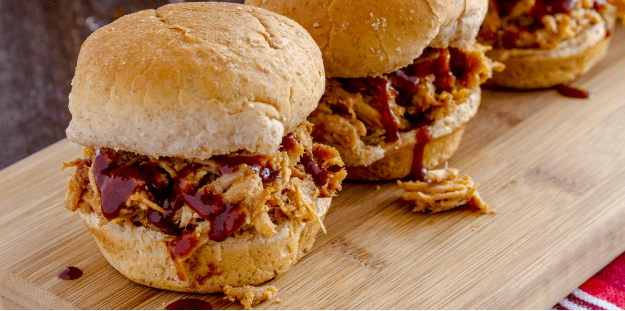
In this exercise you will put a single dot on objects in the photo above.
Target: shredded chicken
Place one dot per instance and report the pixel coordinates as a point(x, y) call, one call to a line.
point(265, 201)
point(349, 119)
point(518, 29)
point(249, 295)
point(442, 191)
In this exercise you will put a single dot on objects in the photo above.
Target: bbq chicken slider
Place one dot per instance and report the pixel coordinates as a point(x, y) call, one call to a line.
point(544, 43)
point(403, 79)
point(199, 170)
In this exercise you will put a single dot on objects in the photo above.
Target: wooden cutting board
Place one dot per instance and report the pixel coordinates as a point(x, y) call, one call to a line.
point(552, 167)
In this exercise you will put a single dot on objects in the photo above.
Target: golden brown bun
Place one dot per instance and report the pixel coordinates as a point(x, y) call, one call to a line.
point(535, 68)
point(361, 38)
point(141, 254)
point(195, 80)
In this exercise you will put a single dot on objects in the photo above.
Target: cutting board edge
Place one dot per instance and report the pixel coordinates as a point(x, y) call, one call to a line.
point(11, 286)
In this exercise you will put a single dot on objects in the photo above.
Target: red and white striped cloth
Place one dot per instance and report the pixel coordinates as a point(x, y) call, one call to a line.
point(604, 291)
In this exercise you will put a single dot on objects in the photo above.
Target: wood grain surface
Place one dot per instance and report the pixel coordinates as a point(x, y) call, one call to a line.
point(552, 167)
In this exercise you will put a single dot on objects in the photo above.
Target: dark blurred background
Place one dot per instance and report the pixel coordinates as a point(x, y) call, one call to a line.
point(39, 45)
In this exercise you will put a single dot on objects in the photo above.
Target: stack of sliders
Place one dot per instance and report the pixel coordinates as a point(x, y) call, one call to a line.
point(403, 79)
point(544, 43)
point(199, 170)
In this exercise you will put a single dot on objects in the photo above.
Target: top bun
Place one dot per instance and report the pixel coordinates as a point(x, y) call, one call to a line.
point(195, 80)
point(360, 38)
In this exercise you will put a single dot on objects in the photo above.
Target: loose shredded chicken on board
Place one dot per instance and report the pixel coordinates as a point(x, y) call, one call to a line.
point(442, 191)
point(249, 295)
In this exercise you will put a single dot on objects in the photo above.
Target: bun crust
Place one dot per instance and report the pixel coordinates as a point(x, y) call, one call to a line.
point(397, 162)
point(535, 68)
point(182, 81)
point(367, 38)
point(141, 255)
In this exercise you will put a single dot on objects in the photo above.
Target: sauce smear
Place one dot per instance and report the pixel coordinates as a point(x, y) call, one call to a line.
point(189, 304)
point(418, 171)
point(573, 92)
point(70, 273)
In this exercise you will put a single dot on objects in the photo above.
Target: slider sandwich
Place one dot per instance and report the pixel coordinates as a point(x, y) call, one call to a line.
point(199, 170)
point(403, 79)
point(544, 43)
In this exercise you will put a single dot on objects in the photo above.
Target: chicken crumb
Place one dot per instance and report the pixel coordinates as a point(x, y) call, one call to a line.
point(442, 191)
point(249, 295)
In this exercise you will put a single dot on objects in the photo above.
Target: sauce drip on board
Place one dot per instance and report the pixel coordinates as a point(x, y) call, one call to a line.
point(70, 273)
point(189, 304)
point(573, 92)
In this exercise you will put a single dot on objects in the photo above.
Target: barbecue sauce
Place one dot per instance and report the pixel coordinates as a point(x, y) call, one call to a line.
point(118, 183)
point(181, 247)
point(288, 143)
point(258, 163)
point(225, 218)
point(189, 304)
point(540, 8)
point(573, 92)
point(418, 171)
point(211, 272)
point(379, 89)
point(551, 7)
point(70, 273)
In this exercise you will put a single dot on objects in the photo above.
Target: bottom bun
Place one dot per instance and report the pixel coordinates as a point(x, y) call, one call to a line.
point(534, 69)
point(141, 255)
point(397, 162)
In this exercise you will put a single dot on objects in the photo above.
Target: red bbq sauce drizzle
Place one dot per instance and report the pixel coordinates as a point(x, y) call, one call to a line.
point(211, 272)
point(183, 246)
point(225, 218)
point(378, 88)
point(288, 143)
point(573, 92)
point(118, 183)
point(189, 304)
point(69, 273)
point(311, 167)
point(551, 7)
point(258, 163)
point(423, 137)
point(540, 9)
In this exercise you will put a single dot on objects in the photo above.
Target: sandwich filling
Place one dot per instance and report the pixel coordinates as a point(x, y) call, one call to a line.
point(541, 24)
point(194, 201)
point(361, 115)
